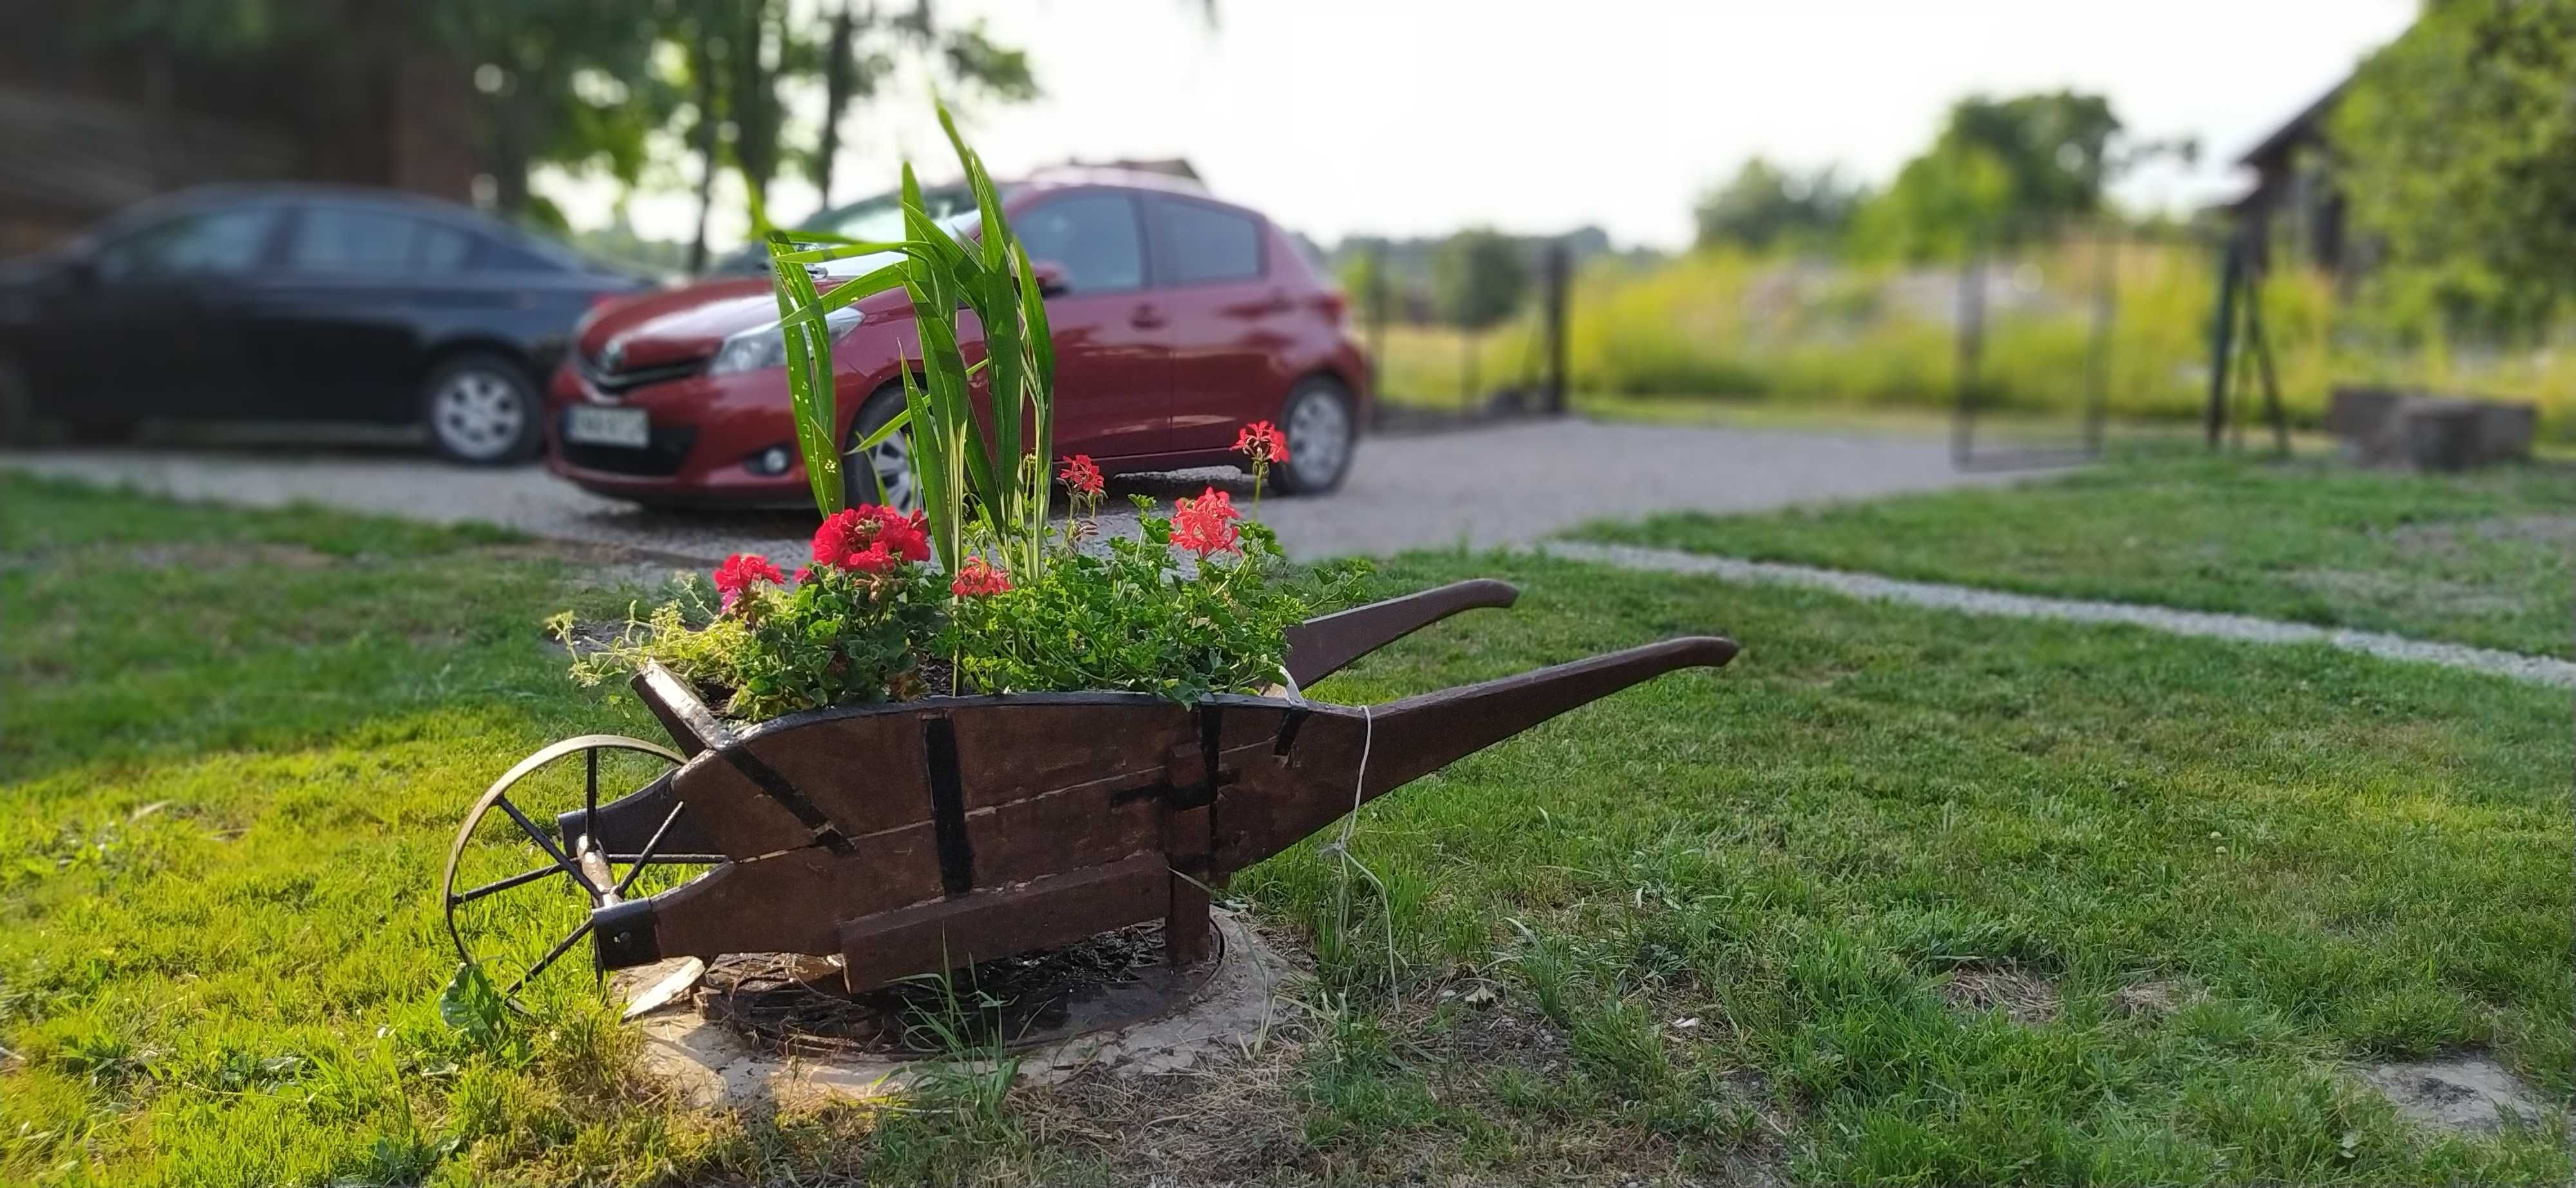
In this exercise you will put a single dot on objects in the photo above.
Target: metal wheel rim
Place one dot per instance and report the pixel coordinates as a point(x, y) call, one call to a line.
point(1319, 439)
point(477, 413)
point(892, 461)
point(565, 861)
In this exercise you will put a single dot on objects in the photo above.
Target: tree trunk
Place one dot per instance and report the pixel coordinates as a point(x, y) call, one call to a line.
point(509, 158)
point(755, 103)
point(703, 63)
point(838, 66)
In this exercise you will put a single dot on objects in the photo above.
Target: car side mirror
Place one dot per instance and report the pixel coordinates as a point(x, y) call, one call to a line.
point(1053, 280)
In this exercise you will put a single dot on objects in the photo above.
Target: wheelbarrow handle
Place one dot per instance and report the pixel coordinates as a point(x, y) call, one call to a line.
point(1322, 646)
point(1419, 735)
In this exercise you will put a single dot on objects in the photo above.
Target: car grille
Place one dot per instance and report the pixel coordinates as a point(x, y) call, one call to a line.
point(620, 382)
point(670, 447)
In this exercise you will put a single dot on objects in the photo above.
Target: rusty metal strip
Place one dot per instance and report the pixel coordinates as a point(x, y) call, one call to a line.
point(1288, 724)
point(948, 806)
point(779, 788)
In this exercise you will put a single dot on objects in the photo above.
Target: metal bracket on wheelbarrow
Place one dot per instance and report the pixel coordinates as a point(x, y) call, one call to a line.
point(924, 836)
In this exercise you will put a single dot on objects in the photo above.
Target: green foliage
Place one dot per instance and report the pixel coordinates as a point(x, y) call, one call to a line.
point(1129, 621)
point(2001, 170)
point(1765, 206)
point(971, 478)
point(1479, 277)
point(474, 1009)
point(839, 638)
point(2456, 146)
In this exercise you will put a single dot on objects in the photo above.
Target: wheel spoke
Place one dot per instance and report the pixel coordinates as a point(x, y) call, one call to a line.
point(590, 799)
point(539, 836)
point(521, 879)
point(644, 857)
point(549, 958)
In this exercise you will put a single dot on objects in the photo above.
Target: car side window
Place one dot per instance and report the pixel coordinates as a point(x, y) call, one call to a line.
point(502, 256)
point(225, 241)
point(1093, 237)
point(441, 248)
point(1195, 244)
point(352, 239)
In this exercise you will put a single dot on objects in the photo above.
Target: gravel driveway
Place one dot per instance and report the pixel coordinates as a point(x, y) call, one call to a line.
point(1498, 485)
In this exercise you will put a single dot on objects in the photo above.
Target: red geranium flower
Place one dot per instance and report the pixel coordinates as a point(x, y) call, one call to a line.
point(738, 573)
point(872, 539)
point(977, 578)
point(1205, 525)
point(1262, 442)
point(1080, 476)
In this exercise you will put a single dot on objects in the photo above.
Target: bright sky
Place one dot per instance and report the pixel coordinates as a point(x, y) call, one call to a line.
point(1420, 116)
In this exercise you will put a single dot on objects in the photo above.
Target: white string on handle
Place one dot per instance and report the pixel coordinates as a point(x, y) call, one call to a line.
point(1341, 848)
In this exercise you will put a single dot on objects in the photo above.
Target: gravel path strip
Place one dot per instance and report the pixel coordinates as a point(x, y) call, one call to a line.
point(1494, 485)
point(1971, 600)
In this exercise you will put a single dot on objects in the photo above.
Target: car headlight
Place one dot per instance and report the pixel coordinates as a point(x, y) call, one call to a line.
point(764, 347)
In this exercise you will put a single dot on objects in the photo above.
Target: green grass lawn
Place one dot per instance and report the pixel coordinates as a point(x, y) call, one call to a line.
point(2482, 558)
point(1898, 897)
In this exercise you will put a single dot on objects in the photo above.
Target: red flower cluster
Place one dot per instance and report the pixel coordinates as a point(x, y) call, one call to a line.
point(977, 578)
point(1204, 525)
point(1080, 476)
point(738, 573)
point(1262, 442)
point(872, 539)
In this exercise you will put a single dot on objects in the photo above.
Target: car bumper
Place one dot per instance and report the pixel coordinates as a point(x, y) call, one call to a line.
point(704, 430)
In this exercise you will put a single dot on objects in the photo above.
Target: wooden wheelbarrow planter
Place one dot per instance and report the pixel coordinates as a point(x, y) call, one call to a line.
point(919, 837)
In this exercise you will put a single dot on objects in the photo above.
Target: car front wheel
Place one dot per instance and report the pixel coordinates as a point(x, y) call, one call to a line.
point(1322, 435)
point(891, 460)
point(481, 409)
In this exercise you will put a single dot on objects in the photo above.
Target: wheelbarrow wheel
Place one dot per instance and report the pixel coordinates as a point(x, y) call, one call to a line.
point(517, 896)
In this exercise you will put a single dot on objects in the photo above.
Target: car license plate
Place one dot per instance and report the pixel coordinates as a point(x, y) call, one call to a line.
point(627, 427)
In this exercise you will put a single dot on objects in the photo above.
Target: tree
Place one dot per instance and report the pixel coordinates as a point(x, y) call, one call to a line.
point(2456, 147)
point(528, 61)
point(859, 48)
point(2001, 169)
point(1765, 205)
point(1479, 277)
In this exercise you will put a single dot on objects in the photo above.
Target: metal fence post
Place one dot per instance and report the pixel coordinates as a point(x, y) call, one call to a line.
point(1559, 281)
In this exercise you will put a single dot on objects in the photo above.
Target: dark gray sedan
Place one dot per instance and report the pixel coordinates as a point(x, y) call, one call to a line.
point(296, 303)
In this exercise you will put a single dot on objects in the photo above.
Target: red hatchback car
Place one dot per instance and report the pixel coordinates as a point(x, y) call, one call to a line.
point(1177, 319)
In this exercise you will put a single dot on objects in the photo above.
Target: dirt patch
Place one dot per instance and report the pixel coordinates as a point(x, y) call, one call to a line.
point(2023, 998)
point(796, 1006)
point(2152, 999)
point(190, 555)
point(2444, 538)
point(593, 554)
point(2464, 1091)
point(710, 1063)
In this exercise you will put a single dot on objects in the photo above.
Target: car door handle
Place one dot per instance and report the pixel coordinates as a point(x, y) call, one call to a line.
point(1146, 317)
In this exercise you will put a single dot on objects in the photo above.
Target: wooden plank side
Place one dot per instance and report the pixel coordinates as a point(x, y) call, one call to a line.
point(1043, 835)
point(792, 902)
point(865, 772)
point(954, 933)
point(1011, 751)
point(732, 812)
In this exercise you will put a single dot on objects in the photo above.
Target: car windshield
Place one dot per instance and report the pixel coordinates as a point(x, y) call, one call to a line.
point(878, 220)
